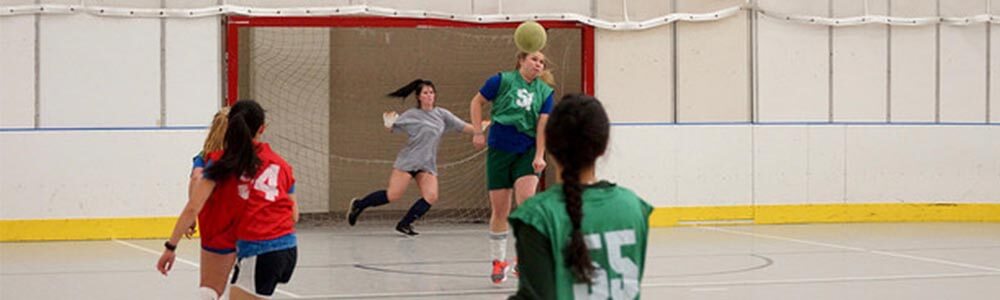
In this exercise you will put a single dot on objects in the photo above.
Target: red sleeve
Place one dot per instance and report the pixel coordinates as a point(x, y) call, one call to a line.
point(214, 155)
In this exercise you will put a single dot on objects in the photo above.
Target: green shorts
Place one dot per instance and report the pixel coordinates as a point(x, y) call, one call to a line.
point(503, 168)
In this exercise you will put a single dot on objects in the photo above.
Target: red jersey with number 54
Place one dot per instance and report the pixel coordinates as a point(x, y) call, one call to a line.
point(267, 207)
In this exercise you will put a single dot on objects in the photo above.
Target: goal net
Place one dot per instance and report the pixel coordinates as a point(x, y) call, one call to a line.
point(324, 90)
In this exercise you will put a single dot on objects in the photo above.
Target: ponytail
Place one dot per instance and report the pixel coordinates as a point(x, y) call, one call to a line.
point(577, 254)
point(407, 89)
point(216, 134)
point(240, 156)
point(548, 78)
point(576, 134)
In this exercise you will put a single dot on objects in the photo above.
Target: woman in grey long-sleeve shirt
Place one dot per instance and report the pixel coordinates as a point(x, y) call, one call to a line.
point(424, 125)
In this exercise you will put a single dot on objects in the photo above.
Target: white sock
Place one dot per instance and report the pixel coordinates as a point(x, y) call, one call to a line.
point(207, 293)
point(498, 245)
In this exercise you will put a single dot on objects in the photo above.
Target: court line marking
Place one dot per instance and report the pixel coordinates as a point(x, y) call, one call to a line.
point(710, 289)
point(818, 280)
point(705, 286)
point(390, 233)
point(767, 263)
point(191, 263)
point(154, 252)
point(408, 272)
point(505, 291)
point(856, 249)
point(98, 128)
point(995, 272)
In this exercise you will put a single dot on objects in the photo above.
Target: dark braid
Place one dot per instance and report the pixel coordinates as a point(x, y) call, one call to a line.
point(414, 87)
point(576, 134)
point(577, 254)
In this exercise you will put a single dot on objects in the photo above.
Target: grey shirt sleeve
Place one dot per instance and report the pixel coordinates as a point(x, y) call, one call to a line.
point(402, 122)
point(452, 122)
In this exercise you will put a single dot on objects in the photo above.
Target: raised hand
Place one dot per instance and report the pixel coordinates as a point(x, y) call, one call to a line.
point(389, 118)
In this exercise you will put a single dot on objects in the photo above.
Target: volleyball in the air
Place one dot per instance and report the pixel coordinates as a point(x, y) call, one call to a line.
point(530, 36)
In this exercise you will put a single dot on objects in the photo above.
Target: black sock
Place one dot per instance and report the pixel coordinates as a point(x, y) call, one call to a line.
point(376, 198)
point(416, 211)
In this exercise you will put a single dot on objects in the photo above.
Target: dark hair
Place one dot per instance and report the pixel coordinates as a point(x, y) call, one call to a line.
point(239, 157)
point(576, 134)
point(414, 87)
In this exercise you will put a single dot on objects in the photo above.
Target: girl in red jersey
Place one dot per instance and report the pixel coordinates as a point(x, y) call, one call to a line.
point(259, 186)
point(249, 172)
point(218, 247)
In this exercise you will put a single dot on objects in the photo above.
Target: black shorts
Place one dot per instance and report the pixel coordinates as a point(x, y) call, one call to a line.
point(415, 172)
point(261, 274)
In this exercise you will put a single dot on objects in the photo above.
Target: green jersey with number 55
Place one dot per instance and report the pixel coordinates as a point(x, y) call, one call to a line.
point(615, 226)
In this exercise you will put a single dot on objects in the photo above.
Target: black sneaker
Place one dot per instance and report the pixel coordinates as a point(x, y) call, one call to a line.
point(406, 230)
point(353, 212)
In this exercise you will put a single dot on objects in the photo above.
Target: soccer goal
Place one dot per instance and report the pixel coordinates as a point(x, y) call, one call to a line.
point(323, 81)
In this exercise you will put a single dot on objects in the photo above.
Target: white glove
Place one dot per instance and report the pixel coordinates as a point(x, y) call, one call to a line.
point(389, 118)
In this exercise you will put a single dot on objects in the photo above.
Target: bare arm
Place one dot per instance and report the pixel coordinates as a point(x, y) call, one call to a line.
point(199, 191)
point(476, 114)
point(295, 208)
point(472, 129)
point(539, 161)
point(196, 174)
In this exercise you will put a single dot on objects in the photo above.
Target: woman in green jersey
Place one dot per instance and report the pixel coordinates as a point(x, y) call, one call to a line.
point(522, 100)
point(584, 238)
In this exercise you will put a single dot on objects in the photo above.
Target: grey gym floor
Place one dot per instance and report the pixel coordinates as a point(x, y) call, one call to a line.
point(822, 261)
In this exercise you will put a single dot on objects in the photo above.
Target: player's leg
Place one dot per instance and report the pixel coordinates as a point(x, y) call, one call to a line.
point(500, 205)
point(215, 269)
point(398, 181)
point(257, 277)
point(525, 187)
point(207, 293)
point(500, 183)
point(428, 184)
point(237, 293)
point(527, 180)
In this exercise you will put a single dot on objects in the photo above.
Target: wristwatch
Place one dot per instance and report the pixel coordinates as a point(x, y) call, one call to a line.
point(169, 246)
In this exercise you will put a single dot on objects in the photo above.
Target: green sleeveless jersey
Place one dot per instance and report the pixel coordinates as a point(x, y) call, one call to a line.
point(615, 226)
point(518, 103)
